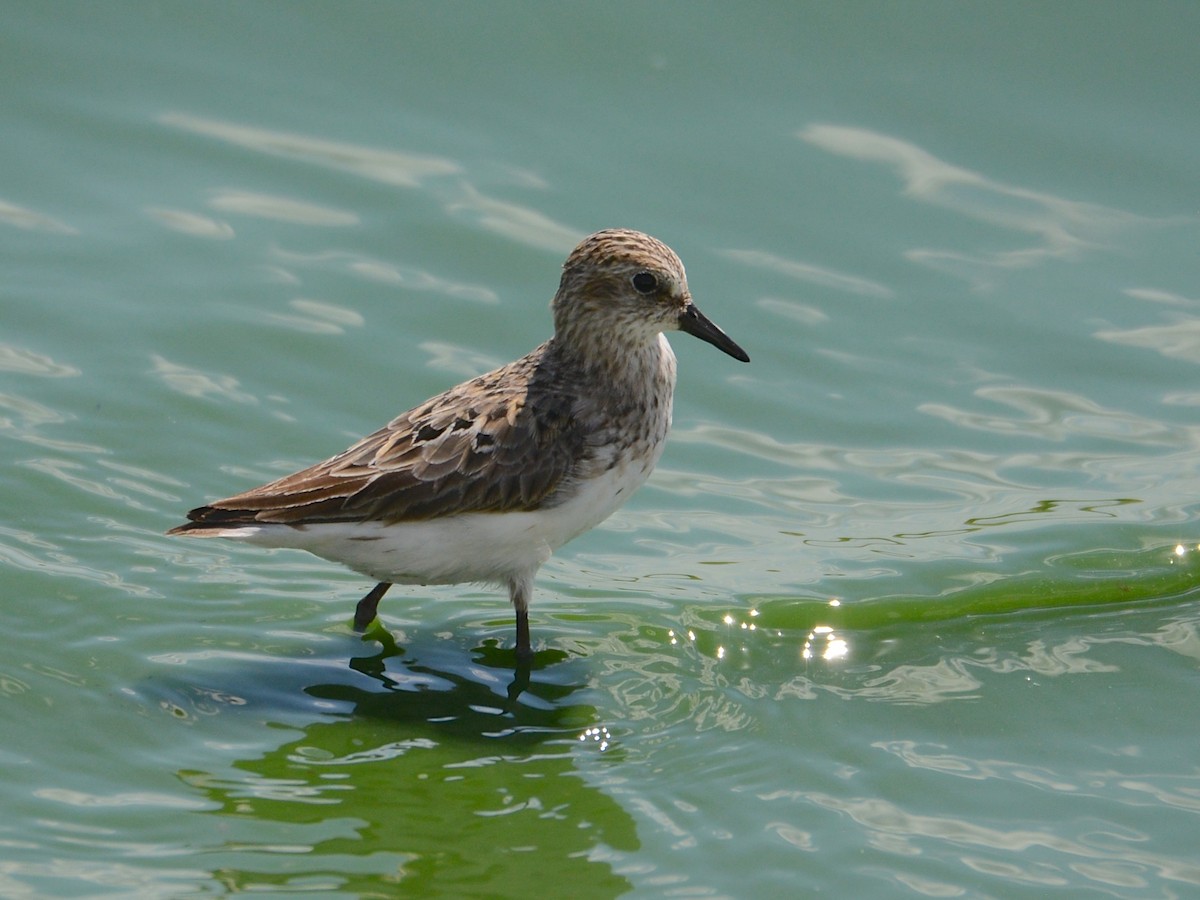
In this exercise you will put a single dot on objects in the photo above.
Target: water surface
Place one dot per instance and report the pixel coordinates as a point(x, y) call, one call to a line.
point(909, 607)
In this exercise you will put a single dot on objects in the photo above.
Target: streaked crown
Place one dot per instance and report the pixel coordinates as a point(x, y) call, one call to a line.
point(625, 278)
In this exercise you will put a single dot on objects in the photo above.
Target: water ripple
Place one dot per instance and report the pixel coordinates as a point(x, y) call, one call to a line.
point(192, 382)
point(408, 277)
point(1060, 228)
point(838, 281)
point(460, 198)
point(1048, 857)
point(190, 223)
point(31, 220)
point(386, 166)
point(281, 209)
point(1056, 415)
point(32, 553)
point(27, 362)
point(1178, 339)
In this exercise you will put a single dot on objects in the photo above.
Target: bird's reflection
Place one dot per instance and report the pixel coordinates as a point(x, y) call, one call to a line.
point(435, 681)
point(429, 682)
point(422, 762)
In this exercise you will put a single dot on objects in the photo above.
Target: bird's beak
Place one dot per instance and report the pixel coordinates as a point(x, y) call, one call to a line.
point(697, 324)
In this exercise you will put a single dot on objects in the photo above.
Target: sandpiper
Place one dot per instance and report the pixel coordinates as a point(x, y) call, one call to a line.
point(483, 482)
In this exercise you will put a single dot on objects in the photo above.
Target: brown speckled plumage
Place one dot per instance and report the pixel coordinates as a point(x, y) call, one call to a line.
point(525, 438)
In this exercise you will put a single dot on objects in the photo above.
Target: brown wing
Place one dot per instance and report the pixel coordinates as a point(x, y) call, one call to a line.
point(504, 441)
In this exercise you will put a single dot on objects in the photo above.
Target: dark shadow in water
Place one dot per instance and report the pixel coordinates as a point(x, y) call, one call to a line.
point(483, 693)
point(424, 770)
point(424, 676)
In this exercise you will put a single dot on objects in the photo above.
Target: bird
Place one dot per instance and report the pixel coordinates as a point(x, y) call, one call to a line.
point(482, 483)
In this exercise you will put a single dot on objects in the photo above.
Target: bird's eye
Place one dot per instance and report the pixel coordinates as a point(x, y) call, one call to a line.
point(645, 283)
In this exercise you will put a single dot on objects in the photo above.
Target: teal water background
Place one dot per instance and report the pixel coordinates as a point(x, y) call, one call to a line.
point(911, 605)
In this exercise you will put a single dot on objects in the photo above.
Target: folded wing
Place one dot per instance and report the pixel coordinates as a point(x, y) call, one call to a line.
point(480, 447)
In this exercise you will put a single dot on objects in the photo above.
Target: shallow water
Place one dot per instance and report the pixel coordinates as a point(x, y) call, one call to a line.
point(910, 606)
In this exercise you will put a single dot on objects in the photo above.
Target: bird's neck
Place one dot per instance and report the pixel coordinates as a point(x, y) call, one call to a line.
point(636, 366)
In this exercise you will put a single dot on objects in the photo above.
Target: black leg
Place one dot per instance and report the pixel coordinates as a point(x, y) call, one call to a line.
point(518, 593)
point(524, 651)
point(368, 606)
point(520, 681)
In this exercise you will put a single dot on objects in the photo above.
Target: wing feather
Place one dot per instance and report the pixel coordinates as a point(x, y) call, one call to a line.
point(507, 440)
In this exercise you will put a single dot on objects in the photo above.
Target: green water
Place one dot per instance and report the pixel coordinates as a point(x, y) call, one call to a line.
point(911, 605)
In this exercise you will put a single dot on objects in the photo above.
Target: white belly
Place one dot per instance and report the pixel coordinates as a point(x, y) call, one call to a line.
point(485, 547)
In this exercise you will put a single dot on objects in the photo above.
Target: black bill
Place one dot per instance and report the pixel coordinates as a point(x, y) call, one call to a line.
point(697, 324)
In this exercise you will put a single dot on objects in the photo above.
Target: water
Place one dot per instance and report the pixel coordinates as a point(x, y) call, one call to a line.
point(910, 607)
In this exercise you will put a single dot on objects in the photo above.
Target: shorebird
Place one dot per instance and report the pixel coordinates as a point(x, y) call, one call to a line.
point(483, 482)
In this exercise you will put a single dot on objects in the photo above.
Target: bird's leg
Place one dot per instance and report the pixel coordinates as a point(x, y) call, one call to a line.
point(519, 683)
point(518, 592)
point(368, 606)
point(524, 651)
